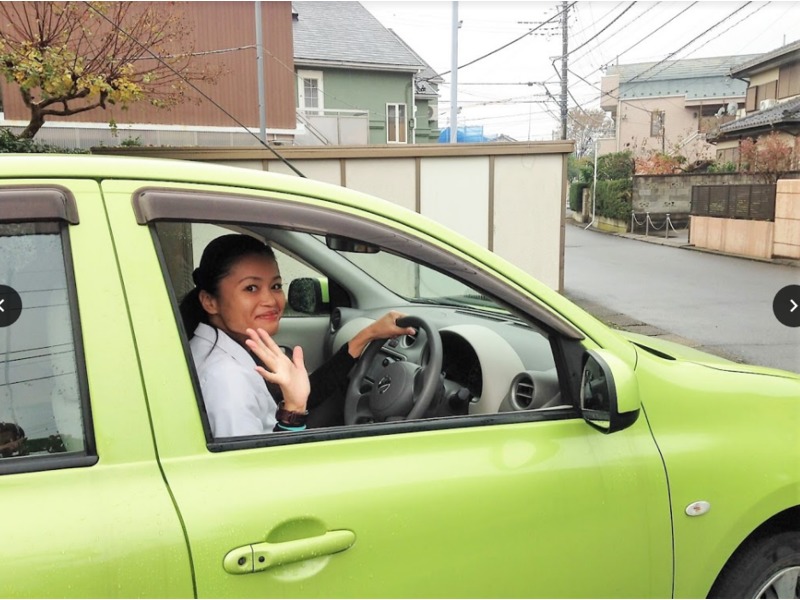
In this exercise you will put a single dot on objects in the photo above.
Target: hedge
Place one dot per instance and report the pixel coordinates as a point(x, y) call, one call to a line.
point(613, 198)
point(11, 143)
point(575, 195)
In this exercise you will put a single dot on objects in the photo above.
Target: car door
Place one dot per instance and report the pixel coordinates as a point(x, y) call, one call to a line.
point(85, 510)
point(542, 505)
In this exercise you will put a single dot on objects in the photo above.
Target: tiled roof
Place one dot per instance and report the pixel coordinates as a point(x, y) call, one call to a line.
point(782, 113)
point(346, 34)
point(766, 59)
point(692, 78)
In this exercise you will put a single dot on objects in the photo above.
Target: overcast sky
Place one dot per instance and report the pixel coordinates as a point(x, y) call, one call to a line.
point(600, 33)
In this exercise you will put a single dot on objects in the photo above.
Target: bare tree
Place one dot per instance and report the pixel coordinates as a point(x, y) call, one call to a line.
point(71, 57)
point(586, 126)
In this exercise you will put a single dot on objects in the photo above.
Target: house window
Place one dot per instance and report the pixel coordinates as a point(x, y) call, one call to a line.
point(657, 123)
point(310, 95)
point(396, 123)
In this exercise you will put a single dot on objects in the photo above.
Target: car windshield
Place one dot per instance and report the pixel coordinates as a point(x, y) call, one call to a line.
point(418, 283)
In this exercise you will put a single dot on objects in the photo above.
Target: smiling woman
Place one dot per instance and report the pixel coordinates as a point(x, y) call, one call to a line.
point(230, 315)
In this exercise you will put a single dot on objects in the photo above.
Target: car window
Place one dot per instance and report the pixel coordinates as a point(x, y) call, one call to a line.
point(498, 364)
point(41, 404)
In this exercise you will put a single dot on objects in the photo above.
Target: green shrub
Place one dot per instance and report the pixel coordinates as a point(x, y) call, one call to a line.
point(11, 143)
point(575, 195)
point(613, 198)
point(726, 167)
point(617, 165)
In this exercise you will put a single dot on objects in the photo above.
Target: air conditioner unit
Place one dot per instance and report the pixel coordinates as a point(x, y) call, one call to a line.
point(766, 104)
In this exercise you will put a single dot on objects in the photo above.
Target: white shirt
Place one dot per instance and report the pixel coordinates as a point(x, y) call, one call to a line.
point(236, 396)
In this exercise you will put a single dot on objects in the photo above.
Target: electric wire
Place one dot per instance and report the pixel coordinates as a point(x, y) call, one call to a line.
point(639, 16)
point(611, 93)
point(687, 44)
point(760, 7)
point(196, 89)
point(504, 46)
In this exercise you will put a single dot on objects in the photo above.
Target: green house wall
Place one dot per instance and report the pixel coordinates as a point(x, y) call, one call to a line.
point(372, 90)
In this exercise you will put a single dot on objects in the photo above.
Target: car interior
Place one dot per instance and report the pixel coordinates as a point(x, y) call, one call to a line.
point(472, 356)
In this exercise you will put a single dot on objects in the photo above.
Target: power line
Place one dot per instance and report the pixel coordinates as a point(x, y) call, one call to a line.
point(504, 46)
point(761, 6)
point(611, 93)
point(595, 36)
point(659, 28)
point(195, 88)
point(687, 44)
point(639, 16)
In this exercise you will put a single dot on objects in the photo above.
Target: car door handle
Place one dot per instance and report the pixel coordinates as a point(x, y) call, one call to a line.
point(264, 555)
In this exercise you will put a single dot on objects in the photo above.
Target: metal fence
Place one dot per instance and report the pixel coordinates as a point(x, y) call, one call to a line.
point(755, 202)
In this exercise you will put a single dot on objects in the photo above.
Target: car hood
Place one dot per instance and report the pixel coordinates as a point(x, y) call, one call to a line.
point(675, 351)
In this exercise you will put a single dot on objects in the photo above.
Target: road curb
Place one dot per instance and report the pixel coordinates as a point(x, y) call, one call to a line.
point(788, 262)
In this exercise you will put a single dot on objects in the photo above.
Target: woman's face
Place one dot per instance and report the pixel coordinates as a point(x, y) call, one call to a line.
point(250, 295)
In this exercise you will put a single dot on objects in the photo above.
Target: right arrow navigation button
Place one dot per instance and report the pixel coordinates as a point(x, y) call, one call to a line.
point(786, 305)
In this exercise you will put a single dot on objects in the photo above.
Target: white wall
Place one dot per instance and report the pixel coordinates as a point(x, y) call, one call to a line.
point(507, 197)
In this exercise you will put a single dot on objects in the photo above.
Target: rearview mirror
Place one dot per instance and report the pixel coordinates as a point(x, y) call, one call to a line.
point(346, 244)
point(609, 393)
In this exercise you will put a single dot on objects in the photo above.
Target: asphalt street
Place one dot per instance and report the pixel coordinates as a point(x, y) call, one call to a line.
point(720, 304)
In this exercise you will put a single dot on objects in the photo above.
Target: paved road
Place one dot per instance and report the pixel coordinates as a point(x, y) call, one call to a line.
point(720, 304)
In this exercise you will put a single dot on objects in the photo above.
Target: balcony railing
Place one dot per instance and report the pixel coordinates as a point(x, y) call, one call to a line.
point(326, 127)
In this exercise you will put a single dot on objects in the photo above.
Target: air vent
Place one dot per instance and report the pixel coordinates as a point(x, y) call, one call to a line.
point(336, 319)
point(522, 390)
point(408, 340)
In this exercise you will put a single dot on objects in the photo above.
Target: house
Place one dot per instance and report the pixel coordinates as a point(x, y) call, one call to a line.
point(671, 106)
point(358, 82)
point(333, 75)
point(223, 34)
point(772, 100)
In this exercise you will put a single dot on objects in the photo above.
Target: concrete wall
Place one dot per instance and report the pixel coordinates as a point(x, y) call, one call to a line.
point(507, 197)
point(733, 236)
point(786, 242)
point(660, 194)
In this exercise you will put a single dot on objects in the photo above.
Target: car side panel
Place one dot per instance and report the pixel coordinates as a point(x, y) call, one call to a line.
point(534, 509)
point(109, 529)
point(746, 468)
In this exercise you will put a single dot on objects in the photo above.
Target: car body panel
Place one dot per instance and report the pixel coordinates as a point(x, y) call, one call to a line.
point(393, 496)
point(112, 521)
point(547, 507)
point(720, 448)
point(685, 353)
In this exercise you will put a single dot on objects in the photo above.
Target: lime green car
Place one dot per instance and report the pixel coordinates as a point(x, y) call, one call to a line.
point(531, 452)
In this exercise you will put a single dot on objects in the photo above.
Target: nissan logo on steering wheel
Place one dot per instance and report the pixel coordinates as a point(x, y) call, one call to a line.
point(384, 384)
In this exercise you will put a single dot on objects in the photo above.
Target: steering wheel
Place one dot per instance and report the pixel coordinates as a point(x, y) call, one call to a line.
point(400, 388)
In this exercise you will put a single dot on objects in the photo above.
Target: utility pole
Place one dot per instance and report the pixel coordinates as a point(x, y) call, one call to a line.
point(454, 78)
point(564, 50)
point(262, 96)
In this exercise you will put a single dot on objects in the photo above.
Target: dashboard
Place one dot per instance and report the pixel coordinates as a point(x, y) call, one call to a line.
point(490, 363)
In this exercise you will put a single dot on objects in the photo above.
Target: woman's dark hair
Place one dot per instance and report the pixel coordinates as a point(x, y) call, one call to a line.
point(217, 261)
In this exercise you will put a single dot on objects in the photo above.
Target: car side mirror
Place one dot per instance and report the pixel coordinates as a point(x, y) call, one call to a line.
point(609, 393)
point(309, 296)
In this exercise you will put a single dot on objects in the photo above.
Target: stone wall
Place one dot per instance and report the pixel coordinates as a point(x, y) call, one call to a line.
point(661, 194)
